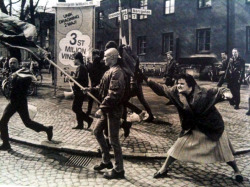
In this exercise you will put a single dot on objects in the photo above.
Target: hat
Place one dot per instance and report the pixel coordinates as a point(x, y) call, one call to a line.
point(169, 52)
point(110, 44)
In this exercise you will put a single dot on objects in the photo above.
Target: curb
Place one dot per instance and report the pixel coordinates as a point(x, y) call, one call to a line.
point(78, 150)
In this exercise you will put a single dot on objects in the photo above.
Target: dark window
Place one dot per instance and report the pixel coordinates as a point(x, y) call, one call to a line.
point(143, 5)
point(167, 42)
point(100, 20)
point(203, 40)
point(169, 6)
point(248, 39)
point(204, 3)
point(141, 45)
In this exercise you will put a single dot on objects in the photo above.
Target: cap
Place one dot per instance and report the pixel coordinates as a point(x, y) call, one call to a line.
point(169, 52)
point(110, 44)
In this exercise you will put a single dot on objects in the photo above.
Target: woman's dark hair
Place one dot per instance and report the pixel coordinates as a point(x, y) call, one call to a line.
point(79, 56)
point(188, 78)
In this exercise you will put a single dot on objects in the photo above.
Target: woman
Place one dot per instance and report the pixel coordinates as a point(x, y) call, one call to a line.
point(202, 138)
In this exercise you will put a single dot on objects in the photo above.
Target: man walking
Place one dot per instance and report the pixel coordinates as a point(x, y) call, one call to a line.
point(235, 75)
point(82, 78)
point(223, 69)
point(111, 92)
point(20, 81)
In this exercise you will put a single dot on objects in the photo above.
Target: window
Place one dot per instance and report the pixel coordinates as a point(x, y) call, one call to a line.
point(248, 1)
point(141, 45)
point(204, 3)
point(203, 40)
point(143, 5)
point(248, 39)
point(167, 42)
point(169, 6)
point(100, 20)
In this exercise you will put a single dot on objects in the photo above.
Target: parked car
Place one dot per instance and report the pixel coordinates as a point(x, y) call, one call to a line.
point(201, 66)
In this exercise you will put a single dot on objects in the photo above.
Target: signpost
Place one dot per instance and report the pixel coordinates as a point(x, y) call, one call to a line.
point(129, 14)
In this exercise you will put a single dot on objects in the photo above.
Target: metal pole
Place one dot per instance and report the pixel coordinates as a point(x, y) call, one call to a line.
point(130, 25)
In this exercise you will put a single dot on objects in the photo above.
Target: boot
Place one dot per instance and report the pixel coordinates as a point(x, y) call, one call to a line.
point(90, 122)
point(5, 147)
point(126, 128)
point(50, 133)
point(114, 175)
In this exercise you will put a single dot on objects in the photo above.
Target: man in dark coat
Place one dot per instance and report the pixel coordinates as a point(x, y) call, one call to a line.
point(235, 75)
point(170, 69)
point(81, 77)
point(111, 92)
point(96, 71)
point(201, 123)
point(19, 84)
point(223, 68)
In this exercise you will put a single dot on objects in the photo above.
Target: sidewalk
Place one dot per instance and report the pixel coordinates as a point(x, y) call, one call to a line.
point(145, 140)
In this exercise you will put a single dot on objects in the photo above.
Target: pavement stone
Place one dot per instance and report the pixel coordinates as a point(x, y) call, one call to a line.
point(36, 167)
point(145, 140)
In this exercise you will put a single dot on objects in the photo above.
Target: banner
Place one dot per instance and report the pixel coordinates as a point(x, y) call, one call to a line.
point(74, 33)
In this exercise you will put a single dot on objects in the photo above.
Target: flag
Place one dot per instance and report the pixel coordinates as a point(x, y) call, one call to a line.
point(18, 34)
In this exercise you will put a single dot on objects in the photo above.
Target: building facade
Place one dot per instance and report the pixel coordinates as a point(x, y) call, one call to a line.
point(185, 27)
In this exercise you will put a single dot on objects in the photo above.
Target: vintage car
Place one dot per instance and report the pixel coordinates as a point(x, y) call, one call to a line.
point(201, 66)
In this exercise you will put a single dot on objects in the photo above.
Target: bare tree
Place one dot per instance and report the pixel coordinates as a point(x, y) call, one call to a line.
point(3, 7)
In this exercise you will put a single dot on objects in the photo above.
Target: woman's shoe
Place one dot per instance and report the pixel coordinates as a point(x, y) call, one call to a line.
point(238, 177)
point(160, 175)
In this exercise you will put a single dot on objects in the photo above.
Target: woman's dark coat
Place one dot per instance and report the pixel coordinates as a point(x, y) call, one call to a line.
point(199, 110)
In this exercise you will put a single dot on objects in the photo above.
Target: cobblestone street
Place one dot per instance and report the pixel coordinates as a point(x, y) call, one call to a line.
point(29, 166)
point(144, 149)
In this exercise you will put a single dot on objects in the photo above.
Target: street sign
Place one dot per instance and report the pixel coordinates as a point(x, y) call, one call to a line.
point(134, 16)
point(117, 14)
point(141, 11)
point(125, 17)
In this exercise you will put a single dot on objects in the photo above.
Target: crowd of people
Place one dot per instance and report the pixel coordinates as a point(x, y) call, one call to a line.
point(203, 138)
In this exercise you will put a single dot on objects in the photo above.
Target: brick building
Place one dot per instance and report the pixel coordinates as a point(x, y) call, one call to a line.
point(186, 27)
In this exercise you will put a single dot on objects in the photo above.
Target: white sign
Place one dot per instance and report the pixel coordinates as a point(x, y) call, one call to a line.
point(74, 42)
point(141, 11)
point(79, 4)
point(117, 14)
point(125, 17)
point(134, 16)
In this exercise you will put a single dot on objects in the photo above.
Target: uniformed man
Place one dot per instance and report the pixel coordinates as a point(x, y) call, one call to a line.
point(20, 81)
point(223, 68)
point(235, 75)
point(170, 69)
point(111, 91)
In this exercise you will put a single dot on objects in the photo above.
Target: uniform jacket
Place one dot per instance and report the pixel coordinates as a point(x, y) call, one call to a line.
point(236, 70)
point(96, 71)
point(170, 69)
point(81, 77)
point(111, 88)
point(199, 110)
